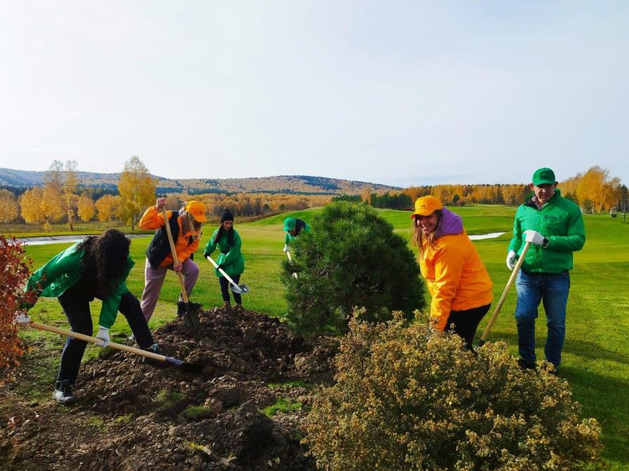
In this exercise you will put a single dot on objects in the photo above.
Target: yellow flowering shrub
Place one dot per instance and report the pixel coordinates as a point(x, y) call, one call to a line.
point(410, 398)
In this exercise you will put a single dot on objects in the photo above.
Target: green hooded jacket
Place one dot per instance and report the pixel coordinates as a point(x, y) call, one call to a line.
point(561, 222)
point(64, 271)
point(231, 258)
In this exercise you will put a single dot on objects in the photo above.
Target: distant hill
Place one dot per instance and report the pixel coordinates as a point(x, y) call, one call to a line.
point(297, 184)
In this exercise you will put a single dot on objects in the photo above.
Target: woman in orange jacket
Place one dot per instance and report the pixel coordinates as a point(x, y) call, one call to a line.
point(457, 280)
point(185, 227)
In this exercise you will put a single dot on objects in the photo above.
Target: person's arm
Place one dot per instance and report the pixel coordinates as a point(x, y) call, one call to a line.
point(109, 309)
point(188, 250)
point(65, 262)
point(210, 247)
point(516, 240)
point(152, 217)
point(448, 270)
point(234, 251)
point(573, 240)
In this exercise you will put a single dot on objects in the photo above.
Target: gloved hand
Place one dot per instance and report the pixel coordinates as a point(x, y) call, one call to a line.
point(22, 319)
point(103, 334)
point(534, 237)
point(221, 267)
point(511, 259)
point(286, 248)
point(206, 254)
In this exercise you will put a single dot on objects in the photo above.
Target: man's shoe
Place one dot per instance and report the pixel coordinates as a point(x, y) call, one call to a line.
point(227, 305)
point(63, 393)
point(526, 365)
point(239, 308)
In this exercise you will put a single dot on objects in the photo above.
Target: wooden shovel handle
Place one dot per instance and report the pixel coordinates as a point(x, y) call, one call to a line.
point(512, 278)
point(87, 338)
point(173, 250)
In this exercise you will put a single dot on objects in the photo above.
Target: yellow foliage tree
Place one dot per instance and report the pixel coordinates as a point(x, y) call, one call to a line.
point(596, 192)
point(85, 207)
point(31, 207)
point(8, 206)
point(69, 188)
point(107, 207)
point(137, 190)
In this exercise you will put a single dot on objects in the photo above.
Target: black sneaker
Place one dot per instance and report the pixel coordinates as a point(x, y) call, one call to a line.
point(63, 393)
point(192, 307)
point(151, 361)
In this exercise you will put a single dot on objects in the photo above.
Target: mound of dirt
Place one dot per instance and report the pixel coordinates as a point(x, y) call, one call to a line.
point(135, 416)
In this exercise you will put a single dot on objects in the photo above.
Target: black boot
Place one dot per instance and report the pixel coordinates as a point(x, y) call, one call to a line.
point(63, 393)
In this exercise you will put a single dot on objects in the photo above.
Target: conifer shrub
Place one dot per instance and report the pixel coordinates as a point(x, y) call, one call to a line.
point(410, 398)
point(351, 259)
point(14, 272)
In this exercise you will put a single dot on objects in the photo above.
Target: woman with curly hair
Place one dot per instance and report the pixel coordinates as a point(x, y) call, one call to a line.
point(455, 275)
point(97, 267)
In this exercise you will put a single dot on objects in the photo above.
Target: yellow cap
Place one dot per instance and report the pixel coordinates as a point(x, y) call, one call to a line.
point(426, 205)
point(197, 209)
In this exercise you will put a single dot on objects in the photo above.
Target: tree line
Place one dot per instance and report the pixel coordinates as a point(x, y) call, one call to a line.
point(594, 191)
point(61, 199)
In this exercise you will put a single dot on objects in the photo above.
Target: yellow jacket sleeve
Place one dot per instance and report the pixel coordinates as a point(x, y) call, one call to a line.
point(448, 267)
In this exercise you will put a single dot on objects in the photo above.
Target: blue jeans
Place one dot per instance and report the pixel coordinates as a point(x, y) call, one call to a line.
point(553, 290)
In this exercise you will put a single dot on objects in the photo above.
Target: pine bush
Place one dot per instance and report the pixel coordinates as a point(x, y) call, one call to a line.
point(410, 398)
point(351, 259)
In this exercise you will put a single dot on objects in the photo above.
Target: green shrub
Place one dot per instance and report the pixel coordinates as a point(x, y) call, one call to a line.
point(409, 398)
point(351, 259)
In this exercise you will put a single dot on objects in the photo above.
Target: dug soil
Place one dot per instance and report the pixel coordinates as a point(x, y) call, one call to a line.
point(130, 415)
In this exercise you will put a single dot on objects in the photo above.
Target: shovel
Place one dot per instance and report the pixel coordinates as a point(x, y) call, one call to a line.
point(290, 260)
point(238, 289)
point(190, 318)
point(188, 367)
point(512, 278)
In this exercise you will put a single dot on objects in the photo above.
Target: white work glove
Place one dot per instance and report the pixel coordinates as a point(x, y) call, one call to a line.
point(22, 320)
point(534, 237)
point(286, 248)
point(512, 257)
point(103, 335)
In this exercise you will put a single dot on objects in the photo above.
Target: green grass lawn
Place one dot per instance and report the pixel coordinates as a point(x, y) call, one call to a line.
point(596, 353)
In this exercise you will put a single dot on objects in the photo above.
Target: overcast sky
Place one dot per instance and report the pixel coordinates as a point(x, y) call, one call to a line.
point(395, 92)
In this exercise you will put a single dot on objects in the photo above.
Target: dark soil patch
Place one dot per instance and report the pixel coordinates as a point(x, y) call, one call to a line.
point(135, 416)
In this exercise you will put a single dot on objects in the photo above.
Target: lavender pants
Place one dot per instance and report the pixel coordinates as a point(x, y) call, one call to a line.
point(154, 280)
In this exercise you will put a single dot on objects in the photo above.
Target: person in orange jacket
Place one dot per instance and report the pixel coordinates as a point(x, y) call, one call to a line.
point(185, 227)
point(457, 280)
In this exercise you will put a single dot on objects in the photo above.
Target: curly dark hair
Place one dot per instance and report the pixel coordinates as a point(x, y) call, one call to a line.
point(106, 259)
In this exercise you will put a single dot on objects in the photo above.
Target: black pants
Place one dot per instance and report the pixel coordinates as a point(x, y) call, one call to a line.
point(76, 305)
point(225, 289)
point(465, 323)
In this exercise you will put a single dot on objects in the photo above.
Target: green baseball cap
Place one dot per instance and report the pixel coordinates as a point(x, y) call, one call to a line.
point(544, 176)
point(289, 224)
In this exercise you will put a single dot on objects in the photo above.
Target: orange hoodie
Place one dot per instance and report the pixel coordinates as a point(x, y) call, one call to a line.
point(455, 275)
point(151, 219)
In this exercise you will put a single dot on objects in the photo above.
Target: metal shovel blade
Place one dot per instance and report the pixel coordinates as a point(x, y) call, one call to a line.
point(240, 289)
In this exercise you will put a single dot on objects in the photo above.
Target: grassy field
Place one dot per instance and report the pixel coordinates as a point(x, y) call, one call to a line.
point(596, 353)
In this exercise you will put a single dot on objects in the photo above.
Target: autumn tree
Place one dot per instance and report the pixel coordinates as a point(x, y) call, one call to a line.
point(8, 206)
point(137, 190)
point(69, 189)
point(31, 207)
point(107, 207)
point(53, 201)
point(85, 207)
point(597, 191)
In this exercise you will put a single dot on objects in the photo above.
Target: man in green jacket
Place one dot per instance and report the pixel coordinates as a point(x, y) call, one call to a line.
point(554, 227)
